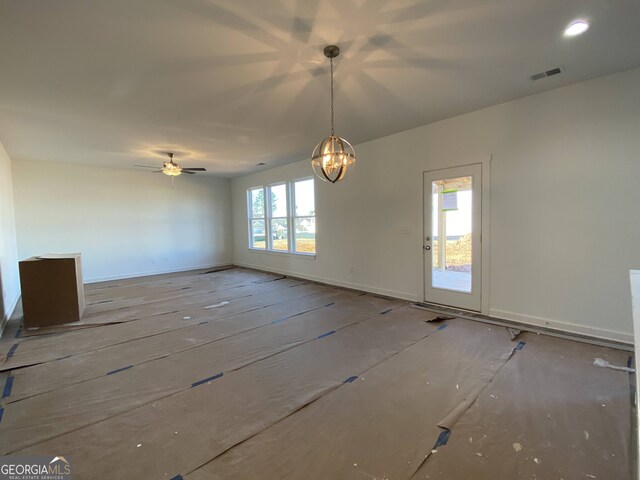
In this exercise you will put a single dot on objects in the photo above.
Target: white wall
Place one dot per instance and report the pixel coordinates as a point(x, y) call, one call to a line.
point(634, 276)
point(124, 222)
point(9, 279)
point(564, 227)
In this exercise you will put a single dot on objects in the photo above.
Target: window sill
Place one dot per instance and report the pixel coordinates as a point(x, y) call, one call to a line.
point(309, 256)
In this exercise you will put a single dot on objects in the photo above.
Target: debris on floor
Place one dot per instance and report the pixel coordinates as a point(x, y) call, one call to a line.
point(514, 332)
point(441, 318)
point(221, 304)
point(599, 362)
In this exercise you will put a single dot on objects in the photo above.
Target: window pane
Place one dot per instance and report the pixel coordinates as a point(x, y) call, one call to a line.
point(305, 234)
point(304, 197)
point(257, 234)
point(256, 197)
point(279, 200)
point(280, 234)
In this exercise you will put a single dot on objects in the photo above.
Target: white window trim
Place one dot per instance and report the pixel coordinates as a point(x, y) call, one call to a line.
point(290, 218)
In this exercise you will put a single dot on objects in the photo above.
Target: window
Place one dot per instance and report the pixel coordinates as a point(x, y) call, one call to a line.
point(257, 237)
point(278, 217)
point(287, 211)
point(304, 216)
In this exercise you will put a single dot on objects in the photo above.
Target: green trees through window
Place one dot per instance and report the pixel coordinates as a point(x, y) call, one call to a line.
point(287, 224)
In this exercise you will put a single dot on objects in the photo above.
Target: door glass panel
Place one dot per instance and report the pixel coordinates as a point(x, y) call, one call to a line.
point(452, 222)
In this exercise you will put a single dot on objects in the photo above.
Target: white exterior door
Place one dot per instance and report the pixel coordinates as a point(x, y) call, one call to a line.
point(452, 237)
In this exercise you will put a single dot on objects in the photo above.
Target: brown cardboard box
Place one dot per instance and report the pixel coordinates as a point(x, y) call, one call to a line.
point(52, 290)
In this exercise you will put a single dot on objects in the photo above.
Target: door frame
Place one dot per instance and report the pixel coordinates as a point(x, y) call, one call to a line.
point(485, 163)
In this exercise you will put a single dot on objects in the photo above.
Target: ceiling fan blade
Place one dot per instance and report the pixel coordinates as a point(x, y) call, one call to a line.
point(144, 166)
point(157, 171)
point(187, 172)
point(198, 169)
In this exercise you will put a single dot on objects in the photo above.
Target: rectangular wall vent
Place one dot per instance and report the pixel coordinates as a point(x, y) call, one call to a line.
point(548, 73)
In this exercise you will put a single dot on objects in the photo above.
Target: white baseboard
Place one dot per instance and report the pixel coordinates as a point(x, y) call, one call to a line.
point(11, 308)
point(331, 281)
point(601, 333)
point(571, 328)
point(108, 278)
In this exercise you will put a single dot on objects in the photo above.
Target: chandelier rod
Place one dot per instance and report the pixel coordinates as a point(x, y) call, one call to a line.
point(332, 115)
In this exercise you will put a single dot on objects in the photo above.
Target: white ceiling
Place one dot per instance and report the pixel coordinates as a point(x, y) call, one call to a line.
point(228, 84)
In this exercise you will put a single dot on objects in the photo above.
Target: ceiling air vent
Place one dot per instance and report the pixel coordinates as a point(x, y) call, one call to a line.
point(548, 73)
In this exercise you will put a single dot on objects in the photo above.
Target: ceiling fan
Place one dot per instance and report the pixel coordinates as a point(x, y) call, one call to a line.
point(172, 169)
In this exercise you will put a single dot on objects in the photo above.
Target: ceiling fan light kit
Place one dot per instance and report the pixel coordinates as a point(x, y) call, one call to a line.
point(172, 169)
point(333, 156)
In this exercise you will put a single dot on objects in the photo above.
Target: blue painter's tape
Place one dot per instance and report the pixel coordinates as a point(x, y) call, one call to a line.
point(1, 414)
point(443, 326)
point(12, 350)
point(7, 387)
point(351, 379)
point(177, 477)
point(19, 333)
point(329, 304)
point(200, 382)
point(327, 334)
point(629, 361)
point(520, 345)
point(202, 323)
point(443, 438)
point(119, 370)
point(384, 312)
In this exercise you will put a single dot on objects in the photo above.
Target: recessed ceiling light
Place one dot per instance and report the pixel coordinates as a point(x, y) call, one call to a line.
point(576, 28)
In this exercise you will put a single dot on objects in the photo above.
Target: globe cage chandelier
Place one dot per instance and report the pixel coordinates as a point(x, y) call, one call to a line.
point(334, 155)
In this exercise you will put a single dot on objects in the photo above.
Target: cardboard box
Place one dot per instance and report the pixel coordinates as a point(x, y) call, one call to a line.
point(52, 290)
